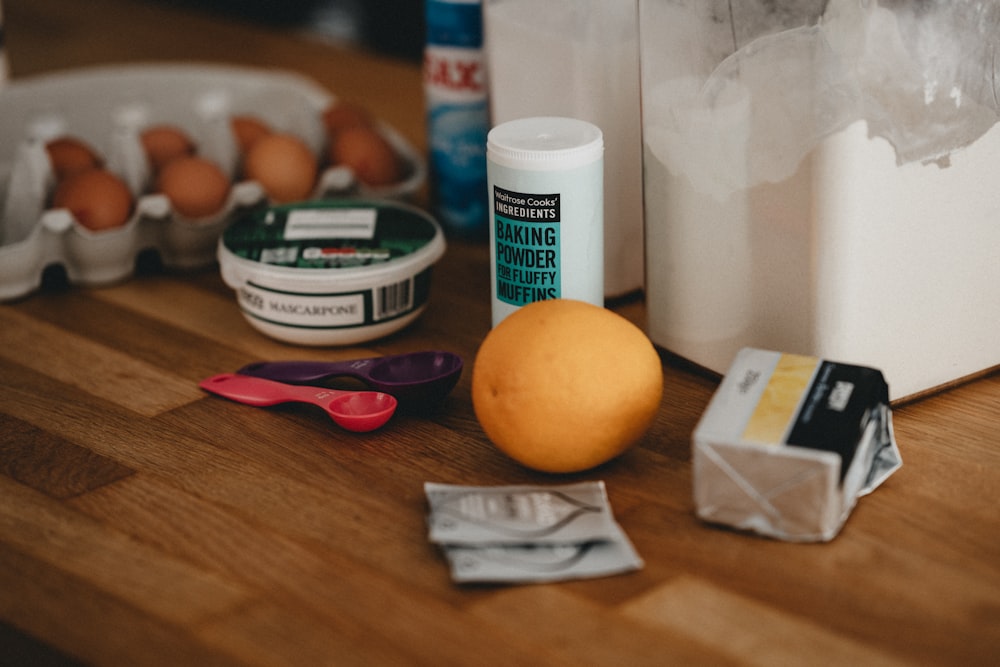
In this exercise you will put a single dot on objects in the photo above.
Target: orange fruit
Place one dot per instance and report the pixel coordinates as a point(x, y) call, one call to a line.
point(563, 386)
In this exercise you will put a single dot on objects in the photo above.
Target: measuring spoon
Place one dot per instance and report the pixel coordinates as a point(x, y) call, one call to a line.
point(416, 379)
point(353, 410)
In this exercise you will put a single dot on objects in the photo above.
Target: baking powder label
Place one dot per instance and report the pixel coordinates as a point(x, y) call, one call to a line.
point(527, 246)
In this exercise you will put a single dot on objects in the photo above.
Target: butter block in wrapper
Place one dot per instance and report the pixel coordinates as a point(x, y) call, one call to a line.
point(789, 443)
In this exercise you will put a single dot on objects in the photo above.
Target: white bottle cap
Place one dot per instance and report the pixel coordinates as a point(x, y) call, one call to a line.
point(544, 143)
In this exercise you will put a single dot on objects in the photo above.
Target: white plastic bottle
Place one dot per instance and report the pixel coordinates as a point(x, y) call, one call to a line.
point(579, 58)
point(546, 198)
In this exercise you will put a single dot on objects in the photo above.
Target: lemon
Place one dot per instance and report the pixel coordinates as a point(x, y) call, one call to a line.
point(562, 386)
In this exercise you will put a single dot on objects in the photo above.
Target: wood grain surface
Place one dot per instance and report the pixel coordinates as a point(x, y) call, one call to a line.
point(144, 522)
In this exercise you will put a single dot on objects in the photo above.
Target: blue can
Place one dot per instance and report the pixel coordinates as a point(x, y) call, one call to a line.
point(457, 116)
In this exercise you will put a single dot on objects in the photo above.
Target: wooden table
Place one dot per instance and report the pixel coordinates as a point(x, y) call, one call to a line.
point(144, 522)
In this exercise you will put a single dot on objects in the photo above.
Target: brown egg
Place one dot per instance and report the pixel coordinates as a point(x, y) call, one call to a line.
point(97, 199)
point(371, 157)
point(247, 129)
point(163, 143)
point(196, 187)
point(69, 155)
point(283, 165)
point(341, 115)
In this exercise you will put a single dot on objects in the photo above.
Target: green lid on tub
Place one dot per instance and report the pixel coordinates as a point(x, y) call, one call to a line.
point(341, 234)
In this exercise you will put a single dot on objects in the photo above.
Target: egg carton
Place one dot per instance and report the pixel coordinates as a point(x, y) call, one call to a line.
point(108, 107)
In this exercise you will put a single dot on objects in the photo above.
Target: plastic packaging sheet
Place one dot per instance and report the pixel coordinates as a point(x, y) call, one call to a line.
point(579, 59)
point(769, 80)
point(528, 534)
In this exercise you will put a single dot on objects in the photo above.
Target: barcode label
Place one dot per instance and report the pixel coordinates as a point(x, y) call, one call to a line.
point(395, 299)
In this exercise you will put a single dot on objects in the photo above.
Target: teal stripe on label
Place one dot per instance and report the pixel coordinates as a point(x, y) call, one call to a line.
point(527, 255)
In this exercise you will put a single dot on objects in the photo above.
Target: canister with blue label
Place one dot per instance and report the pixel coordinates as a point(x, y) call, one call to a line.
point(457, 115)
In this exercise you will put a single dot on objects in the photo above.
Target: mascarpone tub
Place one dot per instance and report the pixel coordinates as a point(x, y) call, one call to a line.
point(331, 272)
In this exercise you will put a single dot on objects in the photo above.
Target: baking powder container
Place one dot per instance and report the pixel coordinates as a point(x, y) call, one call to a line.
point(546, 190)
point(331, 272)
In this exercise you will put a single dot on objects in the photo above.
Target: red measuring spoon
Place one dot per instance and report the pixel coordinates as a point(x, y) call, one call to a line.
point(353, 410)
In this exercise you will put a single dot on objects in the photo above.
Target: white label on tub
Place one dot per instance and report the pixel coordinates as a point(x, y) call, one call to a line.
point(342, 223)
point(306, 310)
point(286, 254)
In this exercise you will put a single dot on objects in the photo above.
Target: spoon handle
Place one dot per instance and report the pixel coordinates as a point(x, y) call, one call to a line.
point(305, 371)
point(261, 392)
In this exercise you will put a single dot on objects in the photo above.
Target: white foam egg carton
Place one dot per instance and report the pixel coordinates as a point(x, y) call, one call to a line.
point(108, 107)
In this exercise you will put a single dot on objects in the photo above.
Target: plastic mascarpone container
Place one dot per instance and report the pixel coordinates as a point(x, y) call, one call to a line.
point(331, 272)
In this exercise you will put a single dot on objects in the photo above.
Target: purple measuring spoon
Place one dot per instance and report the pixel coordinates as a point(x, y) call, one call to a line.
point(416, 379)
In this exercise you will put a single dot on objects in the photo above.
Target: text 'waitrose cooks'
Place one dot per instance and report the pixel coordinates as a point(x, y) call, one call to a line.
point(527, 246)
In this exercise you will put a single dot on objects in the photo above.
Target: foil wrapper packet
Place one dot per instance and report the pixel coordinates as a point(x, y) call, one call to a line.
point(788, 444)
point(528, 534)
